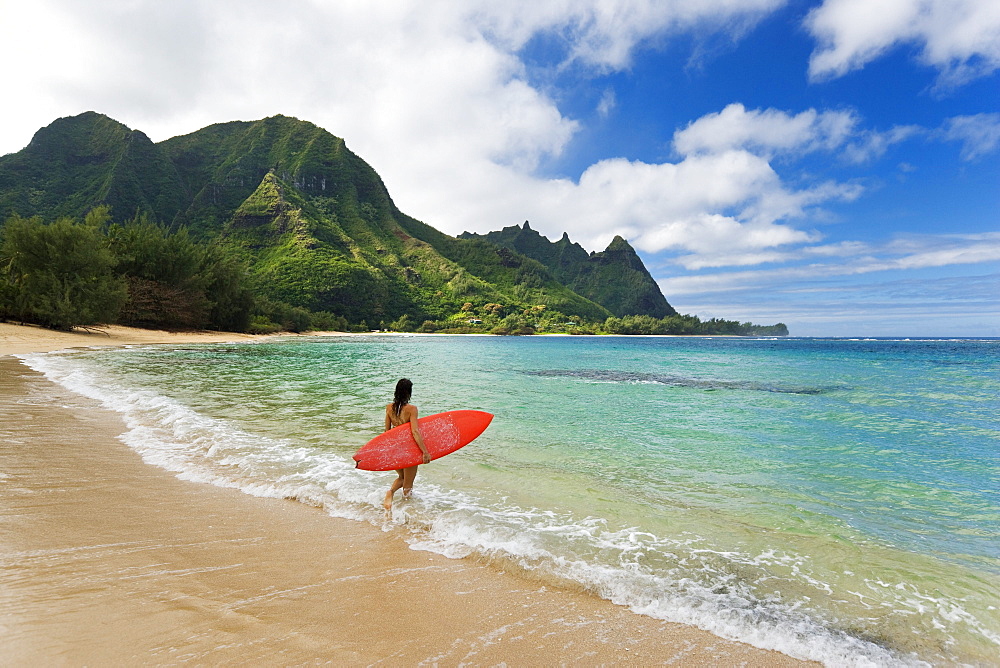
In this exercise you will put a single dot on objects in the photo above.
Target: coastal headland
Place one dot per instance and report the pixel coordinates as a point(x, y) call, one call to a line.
point(107, 560)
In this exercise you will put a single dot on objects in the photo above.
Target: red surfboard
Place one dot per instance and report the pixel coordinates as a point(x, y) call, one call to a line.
point(443, 434)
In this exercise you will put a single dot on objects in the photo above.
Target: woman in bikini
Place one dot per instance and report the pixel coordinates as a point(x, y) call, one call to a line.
point(399, 412)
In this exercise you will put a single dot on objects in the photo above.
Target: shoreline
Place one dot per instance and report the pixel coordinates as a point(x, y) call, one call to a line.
point(24, 339)
point(105, 559)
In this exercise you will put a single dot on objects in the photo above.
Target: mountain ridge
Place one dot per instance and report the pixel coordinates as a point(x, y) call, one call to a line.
point(312, 221)
point(616, 277)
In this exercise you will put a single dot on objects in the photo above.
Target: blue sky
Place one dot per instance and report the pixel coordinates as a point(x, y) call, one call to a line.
point(831, 164)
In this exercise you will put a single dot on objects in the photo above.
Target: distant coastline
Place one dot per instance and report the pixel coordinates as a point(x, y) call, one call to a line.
point(16, 339)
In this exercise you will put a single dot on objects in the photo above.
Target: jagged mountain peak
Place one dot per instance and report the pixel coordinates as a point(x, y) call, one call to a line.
point(615, 278)
point(620, 244)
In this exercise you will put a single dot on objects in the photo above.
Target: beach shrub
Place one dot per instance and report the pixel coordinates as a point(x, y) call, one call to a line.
point(325, 321)
point(227, 291)
point(175, 282)
point(284, 316)
point(514, 324)
point(58, 275)
point(296, 319)
point(260, 324)
point(402, 324)
point(428, 326)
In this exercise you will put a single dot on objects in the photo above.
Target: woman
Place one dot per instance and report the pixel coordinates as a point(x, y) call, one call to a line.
point(399, 412)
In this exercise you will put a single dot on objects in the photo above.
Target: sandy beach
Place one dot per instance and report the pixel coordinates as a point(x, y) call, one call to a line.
point(105, 560)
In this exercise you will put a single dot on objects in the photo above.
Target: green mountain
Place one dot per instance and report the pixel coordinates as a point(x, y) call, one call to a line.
point(313, 223)
point(615, 278)
point(77, 163)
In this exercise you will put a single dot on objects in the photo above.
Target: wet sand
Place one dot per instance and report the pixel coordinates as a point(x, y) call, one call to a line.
point(105, 560)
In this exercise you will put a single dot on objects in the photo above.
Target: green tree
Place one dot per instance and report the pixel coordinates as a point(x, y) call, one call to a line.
point(271, 315)
point(165, 285)
point(58, 275)
point(175, 282)
point(514, 324)
point(329, 322)
point(226, 289)
point(402, 324)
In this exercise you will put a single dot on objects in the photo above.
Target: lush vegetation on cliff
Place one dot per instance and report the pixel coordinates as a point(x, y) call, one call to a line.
point(275, 224)
point(615, 278)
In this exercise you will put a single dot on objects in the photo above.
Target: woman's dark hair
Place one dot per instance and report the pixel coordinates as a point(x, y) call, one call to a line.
point(404, 388)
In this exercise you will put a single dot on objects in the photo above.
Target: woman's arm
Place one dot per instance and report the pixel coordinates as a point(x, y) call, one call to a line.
point(415, 430)
point(388, 422)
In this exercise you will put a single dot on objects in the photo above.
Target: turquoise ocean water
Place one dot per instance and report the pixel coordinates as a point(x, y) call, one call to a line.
point(833, 499)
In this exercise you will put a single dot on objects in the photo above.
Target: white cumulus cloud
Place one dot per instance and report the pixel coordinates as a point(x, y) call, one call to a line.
point(961, 38)
point(766, 131)
point(774, 133)
point(715, 209)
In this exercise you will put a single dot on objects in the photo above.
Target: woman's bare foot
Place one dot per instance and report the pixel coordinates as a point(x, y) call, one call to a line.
point(387, 503)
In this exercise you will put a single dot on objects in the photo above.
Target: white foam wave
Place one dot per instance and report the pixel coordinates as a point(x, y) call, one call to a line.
point(199, 448)
point(669, 579)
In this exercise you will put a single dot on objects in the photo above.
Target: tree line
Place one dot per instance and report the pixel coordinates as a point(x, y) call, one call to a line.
point(495, 318)
point(72, 273)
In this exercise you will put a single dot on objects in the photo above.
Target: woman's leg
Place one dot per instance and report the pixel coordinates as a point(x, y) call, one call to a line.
point(408, 476)
point(396, 484)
